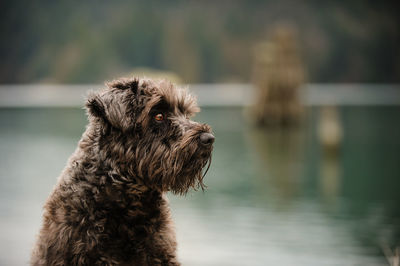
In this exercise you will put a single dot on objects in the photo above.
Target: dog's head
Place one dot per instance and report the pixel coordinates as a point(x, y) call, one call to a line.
point(145, 125)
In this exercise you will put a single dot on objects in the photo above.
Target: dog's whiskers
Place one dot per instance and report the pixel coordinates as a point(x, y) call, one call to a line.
point(208, 167)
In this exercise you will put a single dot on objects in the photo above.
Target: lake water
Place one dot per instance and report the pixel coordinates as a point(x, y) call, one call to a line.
point(273, 198)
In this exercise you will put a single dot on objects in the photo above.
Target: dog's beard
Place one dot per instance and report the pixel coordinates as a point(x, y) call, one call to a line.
point(175, 167)
point(189, 174)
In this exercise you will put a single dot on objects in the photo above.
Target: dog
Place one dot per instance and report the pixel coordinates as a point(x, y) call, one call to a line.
point(109, 205)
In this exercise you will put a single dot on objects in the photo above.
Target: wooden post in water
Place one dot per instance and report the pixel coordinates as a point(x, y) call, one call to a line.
point(278, 74)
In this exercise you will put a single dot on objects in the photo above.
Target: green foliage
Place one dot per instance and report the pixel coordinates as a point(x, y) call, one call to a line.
point(202, 41)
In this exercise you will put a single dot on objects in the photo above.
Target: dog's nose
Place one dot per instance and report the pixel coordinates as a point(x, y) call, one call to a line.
point(207, 138)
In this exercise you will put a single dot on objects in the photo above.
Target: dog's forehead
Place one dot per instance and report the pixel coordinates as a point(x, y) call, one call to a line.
point(179, 100)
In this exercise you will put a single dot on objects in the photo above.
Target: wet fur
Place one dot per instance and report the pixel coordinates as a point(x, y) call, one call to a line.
point(109, 205)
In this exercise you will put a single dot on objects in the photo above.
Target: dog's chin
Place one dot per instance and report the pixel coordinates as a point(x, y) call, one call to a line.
point(176, 168)
point(182, 188)
point(191, 175)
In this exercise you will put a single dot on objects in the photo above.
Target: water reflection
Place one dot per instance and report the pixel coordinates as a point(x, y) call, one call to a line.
point(330, 137)
point(280, 155)
point(273, 197)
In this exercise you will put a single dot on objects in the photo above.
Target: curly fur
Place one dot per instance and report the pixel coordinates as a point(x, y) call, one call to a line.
point(109, 205)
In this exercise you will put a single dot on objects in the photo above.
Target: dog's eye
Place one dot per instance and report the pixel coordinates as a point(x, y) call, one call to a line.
point(159, 117)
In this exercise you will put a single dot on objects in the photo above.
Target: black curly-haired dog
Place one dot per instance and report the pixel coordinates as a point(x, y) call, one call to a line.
point(109, 205)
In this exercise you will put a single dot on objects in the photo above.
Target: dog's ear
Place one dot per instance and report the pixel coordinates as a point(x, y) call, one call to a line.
point(108, 106)
point(95, 106)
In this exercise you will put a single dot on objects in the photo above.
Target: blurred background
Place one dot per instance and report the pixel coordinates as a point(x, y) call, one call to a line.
point(303, 98)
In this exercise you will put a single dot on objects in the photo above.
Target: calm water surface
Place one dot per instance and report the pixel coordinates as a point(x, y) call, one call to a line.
point(273, 197)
